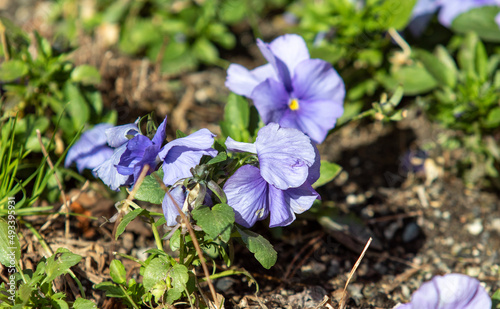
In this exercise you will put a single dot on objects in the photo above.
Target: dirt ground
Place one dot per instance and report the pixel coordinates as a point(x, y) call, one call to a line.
point(423, 223)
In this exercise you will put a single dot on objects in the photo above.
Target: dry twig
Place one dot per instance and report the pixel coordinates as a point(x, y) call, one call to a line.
point(59, 185)
point(353, 270)
point(193, 238)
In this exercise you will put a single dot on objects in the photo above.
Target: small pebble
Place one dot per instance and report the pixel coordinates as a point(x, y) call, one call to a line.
point(475, 227)
point(351, 199)
point(495, 224)
point(473, 271)
point(411, 231)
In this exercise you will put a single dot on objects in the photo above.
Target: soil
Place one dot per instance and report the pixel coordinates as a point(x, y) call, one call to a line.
point(423, 221)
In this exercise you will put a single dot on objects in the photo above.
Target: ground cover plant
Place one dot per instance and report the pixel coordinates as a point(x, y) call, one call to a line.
point(283, 154)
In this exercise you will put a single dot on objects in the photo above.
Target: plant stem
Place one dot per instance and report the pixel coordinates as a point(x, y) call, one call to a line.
point(158, 240)
point(128, 297)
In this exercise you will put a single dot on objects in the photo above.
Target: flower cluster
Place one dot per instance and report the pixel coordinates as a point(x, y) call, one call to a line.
point(281, 185)
point(298, 98)
point(292, 89)
point(452, 291)
point(118, 154)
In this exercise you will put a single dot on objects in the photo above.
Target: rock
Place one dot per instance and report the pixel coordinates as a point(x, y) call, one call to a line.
point(475, 227)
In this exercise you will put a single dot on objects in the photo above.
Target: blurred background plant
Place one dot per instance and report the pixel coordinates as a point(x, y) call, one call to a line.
point(179, 35)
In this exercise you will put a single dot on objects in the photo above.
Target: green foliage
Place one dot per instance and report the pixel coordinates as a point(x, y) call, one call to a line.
point(481, 20)
point(259, 246)
point(35, 289)
point(495, 299)
point(40, 80)
point(216, 222)
point(150, 190)
point(328, 171)
point(179, 35)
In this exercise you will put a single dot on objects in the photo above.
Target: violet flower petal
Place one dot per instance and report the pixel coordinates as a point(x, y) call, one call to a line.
point(93, 160)
point(285, 156)
point(316, 118)
point(179, 161)
point(301, 199)
point(291, 49)
point(315, 79)
point(86, 151)
point(169, 209)
point(235, 146)
point(117, 136)
point(452, 291)
point(242, 81)
point(108, 173)
point(281, 213)
point(271, 100)
point(201, 139)
point(247, 194)
point(279, 66)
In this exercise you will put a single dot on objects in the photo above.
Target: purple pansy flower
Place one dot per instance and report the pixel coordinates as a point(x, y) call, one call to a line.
point(140, 151)
point(285, 155)
point(452, 291)
point(116, 137)
point(292, 89)
point(289, 164)
point(91, 149)
point(182, 154)
point(253, 198)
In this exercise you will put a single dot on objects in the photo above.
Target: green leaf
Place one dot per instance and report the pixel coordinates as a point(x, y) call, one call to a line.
point(86, 74)
point(111, 289)
point(117, 272)
point(479, 20)
point(394, 13)
point(179, 275)
point(59, 264)
point(236, 118)
point(217, 221)
point(481, 61)
point(495, 299)
point(126, 220)
point(260, 247)
point(205, 51)
point(467, 54)
point(493, 119)
point(180, 134)
point(10, 251)
point(13, 69)
point(415, 80)
point(77, 106)
point(157, 270)
point(221, 156)
point(328, 171)
point(441, 73)
point(25, 292)
point(82, 303)
point(150, 190)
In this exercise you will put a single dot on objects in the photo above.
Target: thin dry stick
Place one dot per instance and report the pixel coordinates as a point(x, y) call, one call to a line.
point(400, 41)
point(71, 200)
point(131, 196)
point(194, 239)
point(353, 270)
point(65, 201)
point(296, 257)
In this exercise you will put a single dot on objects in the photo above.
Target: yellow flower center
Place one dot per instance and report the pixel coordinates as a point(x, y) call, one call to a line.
point(294, 104)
